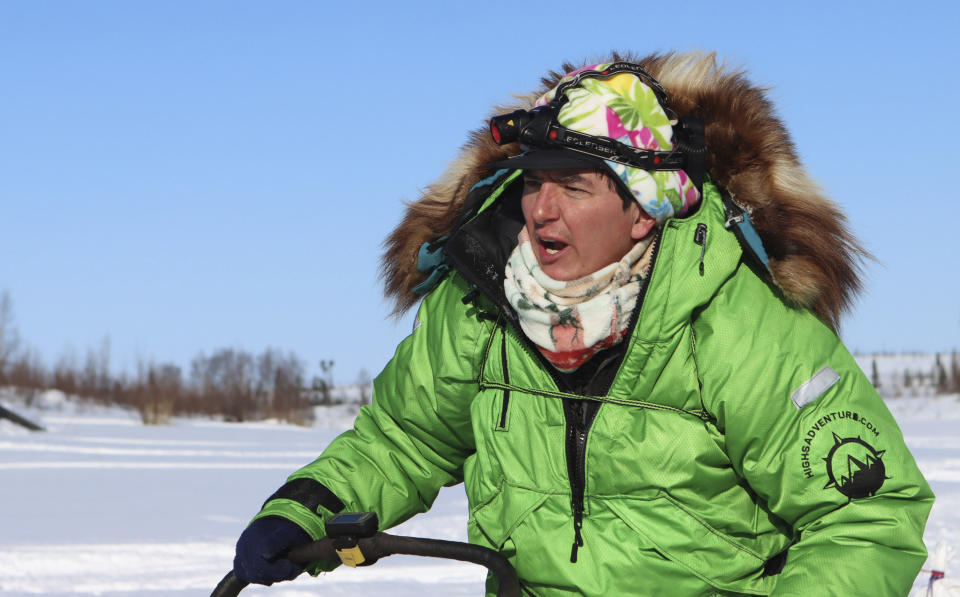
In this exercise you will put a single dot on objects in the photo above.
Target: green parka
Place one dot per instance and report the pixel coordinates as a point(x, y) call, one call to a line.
point(733, 446)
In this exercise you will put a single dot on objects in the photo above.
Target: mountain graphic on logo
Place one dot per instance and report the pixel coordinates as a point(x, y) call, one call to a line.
point(865, 471)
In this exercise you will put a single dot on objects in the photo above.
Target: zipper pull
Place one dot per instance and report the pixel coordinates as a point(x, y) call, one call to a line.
point(700, 238)
point(577, 537)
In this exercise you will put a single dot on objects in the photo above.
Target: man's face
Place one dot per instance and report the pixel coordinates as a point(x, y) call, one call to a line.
point(577, 223)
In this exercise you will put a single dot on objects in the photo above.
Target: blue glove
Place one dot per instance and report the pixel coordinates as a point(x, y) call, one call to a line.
point(260, 544)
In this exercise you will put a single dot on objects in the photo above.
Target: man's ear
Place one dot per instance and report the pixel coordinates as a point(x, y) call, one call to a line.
point(642, 225)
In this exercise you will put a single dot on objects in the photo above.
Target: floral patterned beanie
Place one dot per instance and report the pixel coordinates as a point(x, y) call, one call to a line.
point(624, 108)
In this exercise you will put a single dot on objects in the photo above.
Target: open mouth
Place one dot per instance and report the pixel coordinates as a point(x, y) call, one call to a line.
point(552, 247)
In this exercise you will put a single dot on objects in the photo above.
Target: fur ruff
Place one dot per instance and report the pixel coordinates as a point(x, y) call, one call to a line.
point(814, 259)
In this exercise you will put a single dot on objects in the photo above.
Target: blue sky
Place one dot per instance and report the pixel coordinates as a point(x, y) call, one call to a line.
point(184, 176)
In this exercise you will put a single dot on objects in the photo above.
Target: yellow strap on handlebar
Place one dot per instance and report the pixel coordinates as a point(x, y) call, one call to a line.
point(351, 556)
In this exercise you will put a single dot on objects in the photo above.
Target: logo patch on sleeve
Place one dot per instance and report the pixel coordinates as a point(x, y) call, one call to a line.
point(854, 468)
point(838, 448)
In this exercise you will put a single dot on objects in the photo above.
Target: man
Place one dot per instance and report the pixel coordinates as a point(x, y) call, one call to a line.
point(643, 393)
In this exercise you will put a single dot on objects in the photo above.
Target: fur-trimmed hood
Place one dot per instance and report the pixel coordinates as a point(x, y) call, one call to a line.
point(814, 259)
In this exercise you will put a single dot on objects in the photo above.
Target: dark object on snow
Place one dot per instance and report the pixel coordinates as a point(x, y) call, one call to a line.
point(6, 413)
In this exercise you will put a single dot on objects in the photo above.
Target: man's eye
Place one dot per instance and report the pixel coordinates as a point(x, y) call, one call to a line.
point(575, 189)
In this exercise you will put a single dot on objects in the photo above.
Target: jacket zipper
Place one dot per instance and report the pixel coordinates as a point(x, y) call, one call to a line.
point(580, 417)
point(579, 427)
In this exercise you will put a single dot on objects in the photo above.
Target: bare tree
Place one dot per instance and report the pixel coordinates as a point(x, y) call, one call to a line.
point(226, 378)
point(280, 381)
point(9, 337)
point(94, 380)
point(955, 372)
point(940, 376)
point(365, 383)
point(65, 377)
point(26, 373)
point(323, 384)
point(156, 393)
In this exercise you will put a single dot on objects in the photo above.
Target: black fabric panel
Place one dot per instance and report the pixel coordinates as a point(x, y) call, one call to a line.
point(479, 250)
point(310, 493)
point(774, 565)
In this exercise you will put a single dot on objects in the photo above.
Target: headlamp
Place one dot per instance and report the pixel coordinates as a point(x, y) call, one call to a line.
point(530, 127)
point(539, 129)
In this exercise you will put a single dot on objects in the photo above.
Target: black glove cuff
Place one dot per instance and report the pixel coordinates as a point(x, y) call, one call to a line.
point(310, 493)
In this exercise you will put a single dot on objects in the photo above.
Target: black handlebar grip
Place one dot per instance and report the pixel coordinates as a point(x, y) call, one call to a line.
point(382, 544)
point(229, 586)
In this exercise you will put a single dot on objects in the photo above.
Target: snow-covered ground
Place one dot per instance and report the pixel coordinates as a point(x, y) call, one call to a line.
point(101, 505)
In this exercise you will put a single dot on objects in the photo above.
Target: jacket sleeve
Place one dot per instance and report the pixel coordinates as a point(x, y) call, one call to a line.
point(811, 437)
point(414, 437)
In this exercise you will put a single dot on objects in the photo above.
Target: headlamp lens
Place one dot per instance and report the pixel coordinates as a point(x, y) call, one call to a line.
point(495, 132)
point(506, 127)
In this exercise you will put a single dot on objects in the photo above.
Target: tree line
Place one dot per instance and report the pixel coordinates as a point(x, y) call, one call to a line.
point(939, 378)
point(231, 383)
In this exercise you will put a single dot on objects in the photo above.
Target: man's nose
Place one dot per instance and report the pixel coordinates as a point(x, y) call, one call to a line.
point(545, 204)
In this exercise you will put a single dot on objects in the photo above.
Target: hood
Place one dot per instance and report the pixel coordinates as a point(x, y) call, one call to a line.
point(814, 260)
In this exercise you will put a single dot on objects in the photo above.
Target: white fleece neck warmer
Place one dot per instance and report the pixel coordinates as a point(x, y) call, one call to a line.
point(570, 321)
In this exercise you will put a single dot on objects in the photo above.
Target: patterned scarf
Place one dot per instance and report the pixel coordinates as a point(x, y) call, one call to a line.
point(570, 321)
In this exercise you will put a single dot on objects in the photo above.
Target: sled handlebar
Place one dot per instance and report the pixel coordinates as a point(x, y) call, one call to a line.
point(383, 544)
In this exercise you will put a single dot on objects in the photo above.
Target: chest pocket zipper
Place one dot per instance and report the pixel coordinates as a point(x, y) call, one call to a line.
point(505, 406)
point(700, 238)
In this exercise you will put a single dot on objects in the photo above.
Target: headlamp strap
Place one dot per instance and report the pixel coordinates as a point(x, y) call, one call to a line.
point(615, 151)
point(614, 68)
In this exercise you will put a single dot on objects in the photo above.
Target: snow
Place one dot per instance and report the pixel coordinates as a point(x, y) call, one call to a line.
point(99, 504)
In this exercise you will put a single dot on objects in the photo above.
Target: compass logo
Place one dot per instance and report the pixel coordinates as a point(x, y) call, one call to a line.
point(854, 468)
